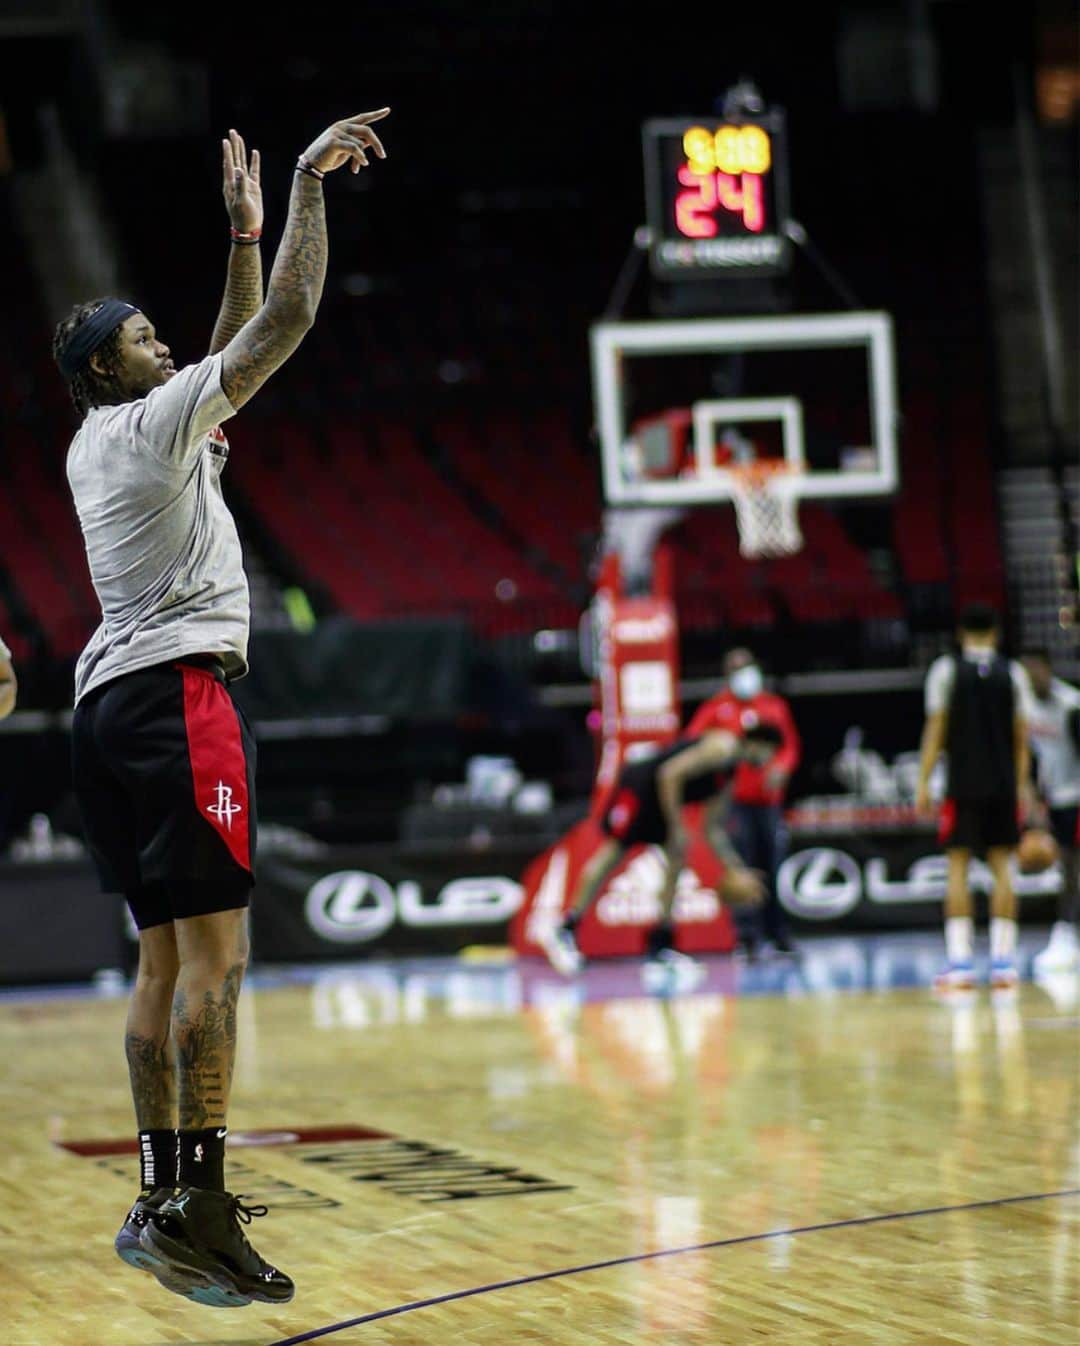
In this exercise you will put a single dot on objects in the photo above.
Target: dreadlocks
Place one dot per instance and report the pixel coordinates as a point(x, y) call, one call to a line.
point(88, 387)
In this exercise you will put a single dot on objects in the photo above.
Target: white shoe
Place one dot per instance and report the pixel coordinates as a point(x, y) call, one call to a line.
point(562, 951)
point(956, 976)
point(1063, 988)
point(1062, 954)
point(672, 972)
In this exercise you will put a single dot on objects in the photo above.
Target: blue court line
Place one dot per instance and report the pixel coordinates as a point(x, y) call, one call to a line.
point(667, 1252)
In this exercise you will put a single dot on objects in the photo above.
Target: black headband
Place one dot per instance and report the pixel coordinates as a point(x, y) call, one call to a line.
point(89, 335)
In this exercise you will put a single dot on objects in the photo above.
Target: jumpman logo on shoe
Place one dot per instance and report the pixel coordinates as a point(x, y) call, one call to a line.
point(224, 808)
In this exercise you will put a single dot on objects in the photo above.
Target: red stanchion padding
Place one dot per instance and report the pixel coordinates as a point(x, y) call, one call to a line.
point(627, 907)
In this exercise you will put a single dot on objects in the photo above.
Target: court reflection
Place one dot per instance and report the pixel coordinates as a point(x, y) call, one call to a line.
point(356, 995)
point(709, 1141)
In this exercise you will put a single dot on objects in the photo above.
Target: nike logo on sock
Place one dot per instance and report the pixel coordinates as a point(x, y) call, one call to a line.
point(223, 1133)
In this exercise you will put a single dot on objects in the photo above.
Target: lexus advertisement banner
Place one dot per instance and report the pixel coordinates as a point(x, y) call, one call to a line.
point(347, 903)
point(352, 902)
point(861, 880)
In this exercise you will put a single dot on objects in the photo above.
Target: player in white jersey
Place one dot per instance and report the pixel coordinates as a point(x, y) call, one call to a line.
point(1055, 739)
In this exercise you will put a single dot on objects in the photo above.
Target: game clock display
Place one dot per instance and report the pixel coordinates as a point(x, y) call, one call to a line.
point(716, 196)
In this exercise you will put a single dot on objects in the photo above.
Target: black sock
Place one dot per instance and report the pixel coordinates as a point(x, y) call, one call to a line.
point(661, 936)
point(202, 1159)
point(157, 1159)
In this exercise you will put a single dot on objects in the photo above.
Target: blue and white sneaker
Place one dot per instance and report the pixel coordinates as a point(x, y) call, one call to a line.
point(1003, 974)
point(562, 950)
point(956, 976)
point(670, 972)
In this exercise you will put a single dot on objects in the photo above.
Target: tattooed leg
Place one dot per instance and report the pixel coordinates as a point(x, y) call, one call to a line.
point(148, 1044)
point(213, 954)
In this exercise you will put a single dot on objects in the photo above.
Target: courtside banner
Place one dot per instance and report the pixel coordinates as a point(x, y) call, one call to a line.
point(859, 879)
point(55, 923)
point(840, 880)
point(345, 903)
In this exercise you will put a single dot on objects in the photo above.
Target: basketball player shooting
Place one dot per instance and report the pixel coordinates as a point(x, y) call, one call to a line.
point(163, 761)
point(647, 809)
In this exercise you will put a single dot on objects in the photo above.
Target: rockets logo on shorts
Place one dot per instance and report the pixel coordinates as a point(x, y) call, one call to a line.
point(218, 763)
point(223, 807)
point(623, 812)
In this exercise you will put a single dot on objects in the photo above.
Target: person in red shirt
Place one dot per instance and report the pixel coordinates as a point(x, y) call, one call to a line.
point(756, 812)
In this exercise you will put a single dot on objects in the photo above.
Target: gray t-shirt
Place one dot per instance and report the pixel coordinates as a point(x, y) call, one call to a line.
point(163, 549)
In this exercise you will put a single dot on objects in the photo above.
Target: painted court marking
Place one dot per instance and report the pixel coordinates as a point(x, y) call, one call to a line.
point(416, 1304)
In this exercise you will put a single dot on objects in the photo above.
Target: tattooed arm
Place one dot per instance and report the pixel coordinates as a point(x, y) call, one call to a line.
point(243, 294)
point(242, 190)
point(8, 685)
point(296, 281)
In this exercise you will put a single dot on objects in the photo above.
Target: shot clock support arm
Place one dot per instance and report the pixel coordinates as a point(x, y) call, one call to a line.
point(798, 235)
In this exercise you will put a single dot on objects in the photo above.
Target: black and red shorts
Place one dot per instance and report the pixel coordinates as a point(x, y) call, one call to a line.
point(634, 816)
point(979, 825)
point(163, 764)
point(1065, 825)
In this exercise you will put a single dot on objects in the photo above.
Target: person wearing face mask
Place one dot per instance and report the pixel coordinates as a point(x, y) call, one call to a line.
point(756, 815)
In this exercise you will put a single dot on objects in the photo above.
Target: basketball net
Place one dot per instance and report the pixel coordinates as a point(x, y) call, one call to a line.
point(765, 493)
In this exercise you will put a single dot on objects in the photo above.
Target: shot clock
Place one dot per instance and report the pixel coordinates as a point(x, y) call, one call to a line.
point(716, 196)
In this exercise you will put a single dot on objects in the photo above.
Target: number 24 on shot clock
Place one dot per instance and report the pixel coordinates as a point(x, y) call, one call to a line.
point(716, 196)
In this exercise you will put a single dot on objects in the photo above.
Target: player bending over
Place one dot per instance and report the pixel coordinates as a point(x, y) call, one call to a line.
point(646, 809)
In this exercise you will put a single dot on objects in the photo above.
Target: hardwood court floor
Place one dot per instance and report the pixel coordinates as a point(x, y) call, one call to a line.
point(807, 1165)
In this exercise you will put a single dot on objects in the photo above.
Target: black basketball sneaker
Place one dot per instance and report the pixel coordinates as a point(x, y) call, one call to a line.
point(127, 1241)
point(128, 1238)
point(198, 1232)
point(190, 1284)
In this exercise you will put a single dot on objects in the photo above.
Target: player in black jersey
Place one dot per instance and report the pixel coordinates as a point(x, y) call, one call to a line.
point(646, 809)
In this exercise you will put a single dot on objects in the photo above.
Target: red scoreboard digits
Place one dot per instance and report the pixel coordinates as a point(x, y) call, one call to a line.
point(723, 170)
point(716, 196)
